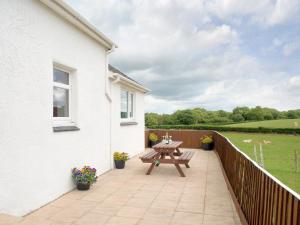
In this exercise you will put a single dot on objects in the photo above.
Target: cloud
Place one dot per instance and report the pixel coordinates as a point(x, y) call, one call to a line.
point(197, 53)
point(290, 48)
point(294, 83)
point(264, 12)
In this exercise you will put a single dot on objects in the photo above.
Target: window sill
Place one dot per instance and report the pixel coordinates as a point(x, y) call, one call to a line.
point(128, 123)
point(65, 128)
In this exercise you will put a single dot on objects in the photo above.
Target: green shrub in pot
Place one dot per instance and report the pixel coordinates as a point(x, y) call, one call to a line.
point(153, 139)
point(120, 158)
point(207, 142)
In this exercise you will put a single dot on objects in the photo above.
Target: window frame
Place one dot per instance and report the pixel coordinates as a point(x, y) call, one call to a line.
point(129, 93)
point(62, 120)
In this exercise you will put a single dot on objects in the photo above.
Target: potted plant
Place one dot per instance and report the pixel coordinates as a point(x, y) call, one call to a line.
point(120, 158)
point(153, 139)
point(84, 177)
point(207, 142)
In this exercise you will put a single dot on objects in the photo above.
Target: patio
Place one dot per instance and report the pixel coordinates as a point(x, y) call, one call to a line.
point(129, 197)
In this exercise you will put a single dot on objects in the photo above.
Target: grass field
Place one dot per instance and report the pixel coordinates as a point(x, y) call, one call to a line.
point(286, 123)
point(278, 155)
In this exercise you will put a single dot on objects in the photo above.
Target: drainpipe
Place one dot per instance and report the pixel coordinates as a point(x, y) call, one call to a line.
point(108, 96)
point(107, 92)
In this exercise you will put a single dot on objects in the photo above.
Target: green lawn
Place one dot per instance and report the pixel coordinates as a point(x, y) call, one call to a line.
point(278, 155)
point(286, 123)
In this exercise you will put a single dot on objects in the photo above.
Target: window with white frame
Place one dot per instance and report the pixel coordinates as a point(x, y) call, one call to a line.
point(127, 105)
point(61, 94)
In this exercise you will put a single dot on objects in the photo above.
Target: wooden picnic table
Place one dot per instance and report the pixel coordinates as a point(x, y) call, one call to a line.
point(167, 154)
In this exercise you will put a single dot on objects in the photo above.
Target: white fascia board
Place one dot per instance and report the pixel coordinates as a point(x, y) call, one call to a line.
point(129, 83)
point(69, 14)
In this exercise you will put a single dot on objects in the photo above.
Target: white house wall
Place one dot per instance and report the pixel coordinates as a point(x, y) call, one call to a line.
point(129, 138)
point(36, 162)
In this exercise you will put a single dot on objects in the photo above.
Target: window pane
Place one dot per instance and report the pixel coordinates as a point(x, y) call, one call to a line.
point(130, 106)
point(60, 76)
point(60, 102)
point(124, 104)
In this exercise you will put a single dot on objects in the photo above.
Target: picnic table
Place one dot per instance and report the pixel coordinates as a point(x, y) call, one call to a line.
point(167, 154)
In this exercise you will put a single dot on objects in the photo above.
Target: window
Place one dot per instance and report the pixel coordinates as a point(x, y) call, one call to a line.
point(61, 94)
point(127, 105)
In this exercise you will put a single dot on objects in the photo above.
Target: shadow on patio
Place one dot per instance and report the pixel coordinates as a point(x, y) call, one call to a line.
point(127, 197)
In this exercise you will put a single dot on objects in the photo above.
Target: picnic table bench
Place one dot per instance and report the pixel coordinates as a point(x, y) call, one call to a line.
point(167, 154)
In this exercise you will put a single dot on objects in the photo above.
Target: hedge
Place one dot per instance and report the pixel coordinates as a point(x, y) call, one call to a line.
point(237, 129)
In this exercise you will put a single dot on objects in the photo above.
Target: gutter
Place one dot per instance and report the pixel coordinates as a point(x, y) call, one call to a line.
point(123, 80)
point(69, 14)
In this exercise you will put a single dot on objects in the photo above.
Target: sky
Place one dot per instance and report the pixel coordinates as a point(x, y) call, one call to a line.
point(215, 54)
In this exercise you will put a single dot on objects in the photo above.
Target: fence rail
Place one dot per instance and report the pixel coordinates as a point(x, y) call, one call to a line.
point(262, 199)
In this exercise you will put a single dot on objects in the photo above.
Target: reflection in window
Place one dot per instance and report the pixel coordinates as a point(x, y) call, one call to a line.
point(127, 104)
point(61, 94)
point(60, 102)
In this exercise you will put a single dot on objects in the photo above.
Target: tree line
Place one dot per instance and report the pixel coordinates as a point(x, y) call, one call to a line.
point(203, 116)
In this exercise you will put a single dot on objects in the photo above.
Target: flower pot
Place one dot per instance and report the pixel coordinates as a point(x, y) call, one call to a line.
point(120, 164)
point(208, 147)
point(152, 143)
point(83, 186)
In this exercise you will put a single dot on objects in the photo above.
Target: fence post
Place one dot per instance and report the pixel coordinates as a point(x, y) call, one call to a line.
point(296, 160)
point(255, 154)
point(261, 156)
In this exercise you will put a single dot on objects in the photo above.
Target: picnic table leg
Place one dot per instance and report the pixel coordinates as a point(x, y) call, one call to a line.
point(187, 165)
point(178, 151)
point(177, 166)
point(152, 165)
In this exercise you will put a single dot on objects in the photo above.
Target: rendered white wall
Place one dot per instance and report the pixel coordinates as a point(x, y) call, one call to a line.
point(36, 162)
point(128, 138)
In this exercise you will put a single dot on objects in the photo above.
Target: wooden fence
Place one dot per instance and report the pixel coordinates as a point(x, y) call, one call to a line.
point(190, 138)
point(260, 198)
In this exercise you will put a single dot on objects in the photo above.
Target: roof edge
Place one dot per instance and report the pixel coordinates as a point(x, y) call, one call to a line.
point(69, 14)
point(127, 80)
point(133, 84)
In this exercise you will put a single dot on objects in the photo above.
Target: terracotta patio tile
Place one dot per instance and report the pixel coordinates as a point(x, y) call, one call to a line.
point(140, 202)
point(184, 218)
point(164, 204)
point(122, 221)
point(129, 211)
point(196, 198)
point(218, 209)
point(158, 214)
point(190, 207)
point(217, 220)
point(8, 220)
point(92, 219)
point(168, 196)
point(109, 210)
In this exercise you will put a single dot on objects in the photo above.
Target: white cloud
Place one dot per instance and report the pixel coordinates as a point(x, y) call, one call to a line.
point(265, 12)
point(284, 10)
point(188, 58)
point(294, 82)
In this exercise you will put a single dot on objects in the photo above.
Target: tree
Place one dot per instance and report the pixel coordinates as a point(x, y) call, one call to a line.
point(255, 114)
point(292, 114)
point(151, 119)
point(242, 111)
point(199, 114)
point(237, 117)
point(186, 117)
